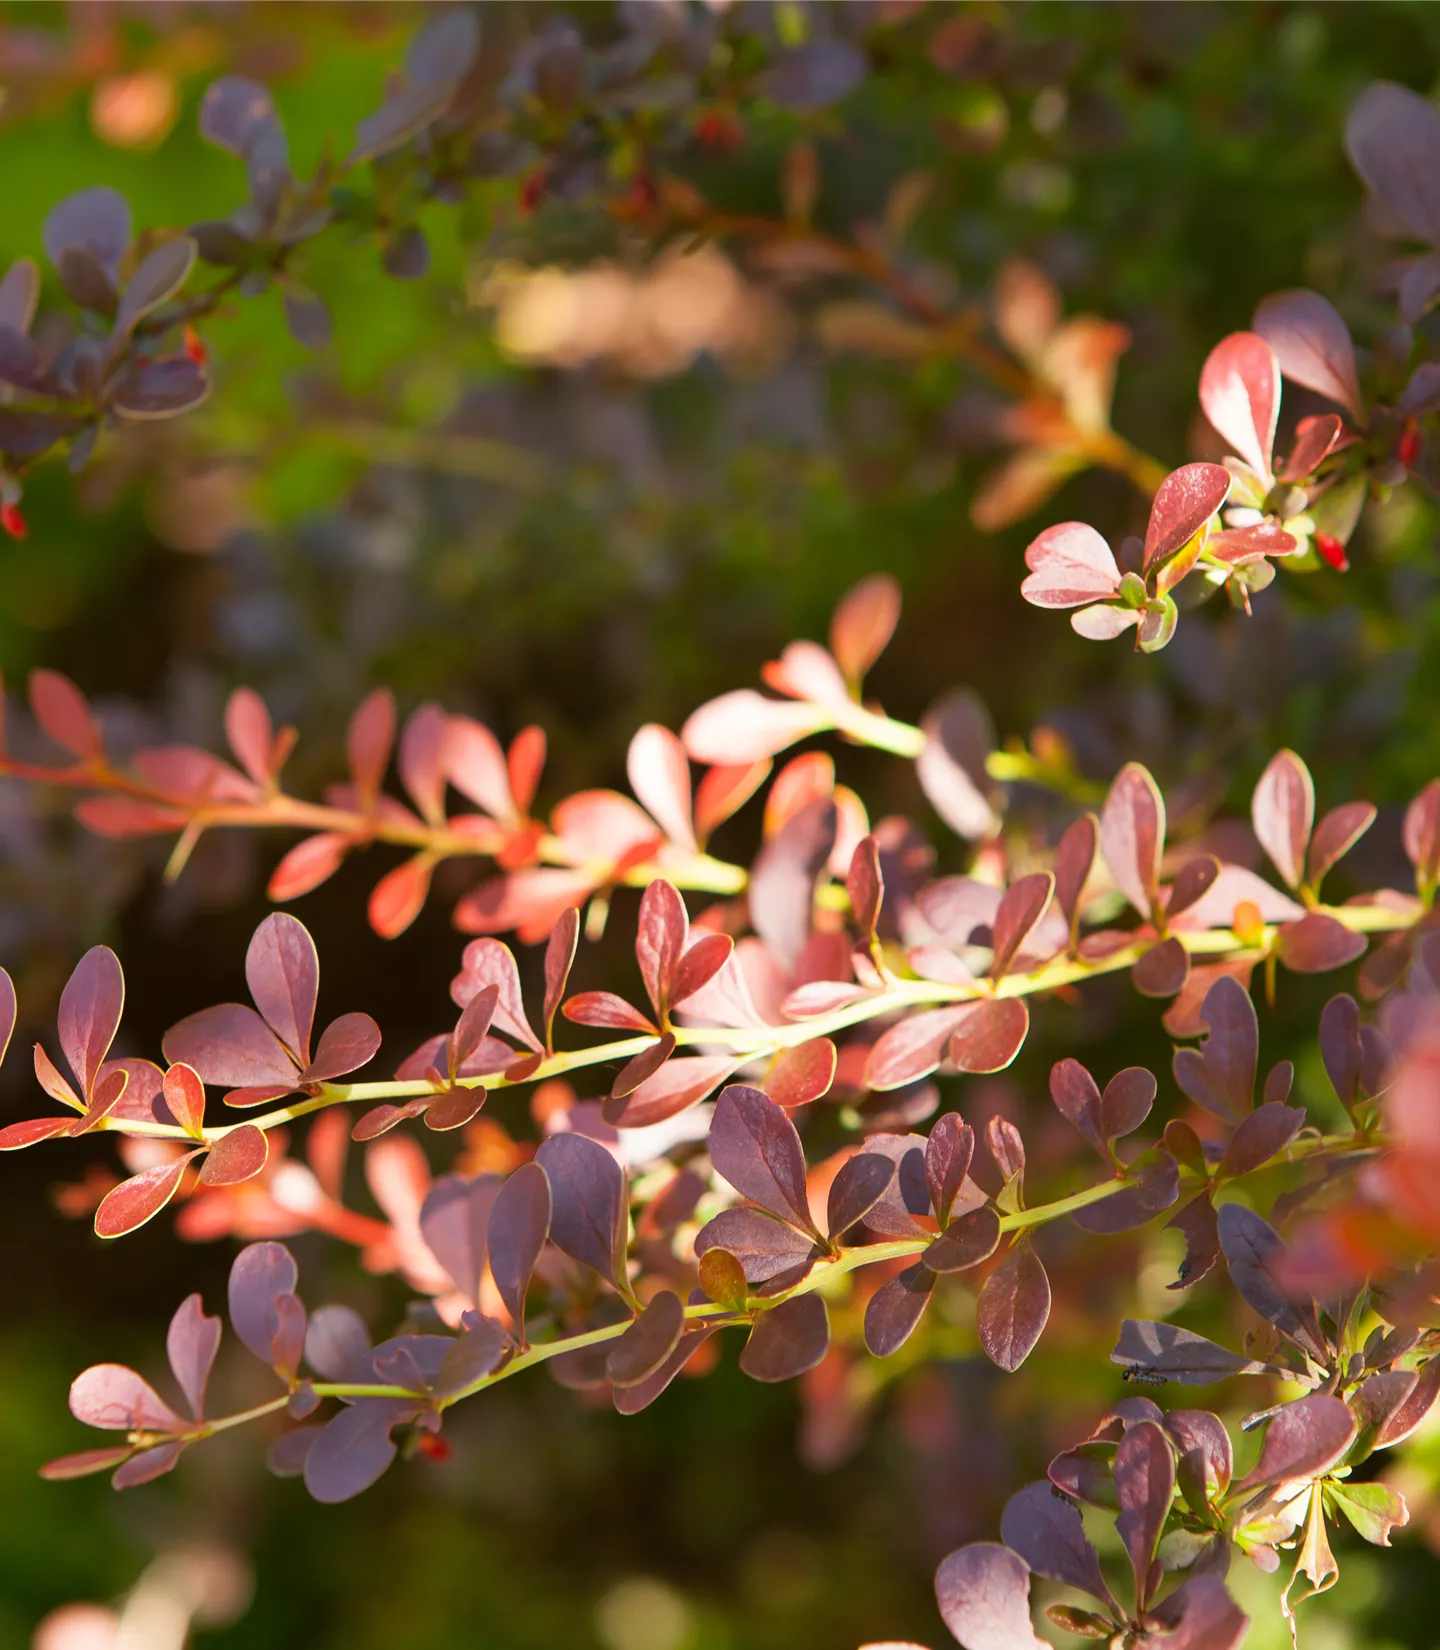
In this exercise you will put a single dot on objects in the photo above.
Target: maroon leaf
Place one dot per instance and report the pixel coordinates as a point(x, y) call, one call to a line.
point(787, 1340)
point(559, 959)
point(912, 1048)
point(1013, 1307)
point(1074, 861)
point(856, 1189)
point(1335, 835)
point(1257, 1257)
point(1077, 1098)
point(520, 1217)
point(345, 1044)
point(1070, 565)
point(283, 973)
point(753, 1144)
point(90, 1009)
point(863, 624)
point(648, 1342)
point(1240, 393)
point(1132, 835)
point(659, 773)
point(1153, 1184)
point(1162, 971)
point(352, 1451)
point(235, 1157)
point(965, 1242)
point(948, 1152)
point(802, 1073)
point(660, 940)
point(1421, 832)
point(82, 1464)
point(114, 1398)
point(1145, 1487)
point(454, 1219)
point(678, 1085)
point(702, 961)
point(139, 1199)
point(1266, 1131)
point(782, 881)
point(766, 1248)
point(865, 887)
point(988, 1034)
point(472, 1028)
point(1006, 1147)
point(261, 1274)
point(1312, 345)
point(1340, 1047)
point(959, 736)
point(630, 1400)
point(1318, 943)
point(1304, 1439)
point(1187, 499)
point(1022, 908)
point(643, 1067)
point(590, 1194)
point(1414, 1409)
point(1048, 1535)
point(1205, 1464)
point(1126, 1102)
point(1164, 1349)
point(1391, 138)
point(604, 1008)
point(1315, 439)
point(185, 1096)
point(1192, 882)
point(488, 962)
point(148, 1465)
point(1220, 1076)
point(230, 1045)
point(1283, 813)
point(984, 1596)
point(896, 1308)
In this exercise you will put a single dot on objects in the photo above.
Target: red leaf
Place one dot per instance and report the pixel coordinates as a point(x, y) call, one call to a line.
point(1422, 831)
point(191, 1344)
point(1070, 565)
point(368, 743)
point(1187, 499)
point(1193, 881)
point(63, 712)
point(678, 1085)
point(236, 1157)
point(648, 1342)
point(524, 763)
point(1240, 393)
point(787, 1340)
point(345, 1045)
point(1013, 1307)
point(422, 760)
point(118, 816)
point(84, 1463)
point(1312, 345)
point(307, 865)
point(185, 1096)
point(912, 1048)
point(1318, 943)
point(1304, 1439)
point(142, 1197)
point(1283, 813)
point(247, 727)
point(1074, 861)
point(660, 940)
point(1077, 1098)
point(802, 1073)
point(863, 624)
point(959, 736)
point(1024, 904)
point(399, 896)
point(753, 1145)
point(724, 790)
point(489, 962)
point(116, 1399)
point(947, 1161)
point(89, 1017)
point(17, 1136)
point(1315, 439)
point(989, 1034)
point(894, 1311)
point(701, 962)
point(744, 727)
point(659, 774)
point(1132, 835)
point(821, 997)
point(856, 1189)
point(604, 1008)
point(475, 765)
point(1335, 835)
point(643, 1067)
point(519, 1224)
point(282, 970)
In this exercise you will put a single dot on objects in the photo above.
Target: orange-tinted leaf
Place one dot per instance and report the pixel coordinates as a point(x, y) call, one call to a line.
point(236, 1157)
point(863, 624)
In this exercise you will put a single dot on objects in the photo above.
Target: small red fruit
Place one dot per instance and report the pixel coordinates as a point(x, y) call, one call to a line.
point(1330, 550)
point(195, 347)
point(719, 129)
point(13, 521)
point(432, 1447)
point(1409, 449)
point(532, 192)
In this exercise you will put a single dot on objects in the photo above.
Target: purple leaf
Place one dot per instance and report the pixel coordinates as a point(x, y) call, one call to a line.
point(478, 1352)
point(1220, 1076)
point(1201, 1615)
point(951, 768)
point(907, 1198)
point(191, 1344)
point(984, 1596)
point(589, 1194)
point(286, 1456)
point(559, 959)
point(856, 1189)
point(753, 1144)
point(1162, 971)
point(453, 1221)
point(1415, 1408)
point(782, 880)
point(283, 973)
point(353, 1450)
point(965, 1242)
point(1144, 1487)
point(260, 1275)
point(1048, 1535)
point(1262, 1134)
point(287, 1344)
point(520, 1218)
point(1193, 881)
point(1177, 1354)
point(896, 1308)
point(948, 1153)
point(1196, 1221)
point(1022, 908)
point(1126, 1102)
point(116, 1399)
point(630, 1400)
point(1318, 943)
point(659, 940)
point(90, 1009)
point(1187, 499)
point(1074, 861)
point(231, 1046)
point(1153, 1185)
point(1305, 1438)
point(1132, 835)
point(1256, 1257)
point(1392, 138)
point(1205, 1461)
point(336, 1342)
point(1013, 1307)
point(1006, 1147)
point(1312, 345)
point(1070, 565)
point(148, 1465)
point(648, 1342)
point(1077, 1098)
point(766, 1248)
point(787, 1340)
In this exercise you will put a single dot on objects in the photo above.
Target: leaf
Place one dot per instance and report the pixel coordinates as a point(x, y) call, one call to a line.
point(1415, 1408)
point(236, 1157)
point(1132, 835)
point(454, 1219)
point(802, 1073)
point(115, 1399)
point(1201, 1615)
point(649, 1341)
point(1335, 835)
point(643, 1067)
point(753, 1144)
point(744, 727)
point(702, 961)
point(630, 1400)
point(660, 940)
point(911, 1048)
point(1205, 1463)
point(1303, 1440)
point(766, 1248)
point(307, 865)
point(159, 275)
point(520, 1218)
point(336, 1342)
point(261, 1274)
point(1220, 1076)
point(951, 767)
point(90, 1008)
point(965, 1242)
point(722, 1277)
point(230, 1045)
point(1373, 1509)
point(1178, 1354)
point(948, 1152)
point(1047, 1533)
point(1077, 1098)
point(83, 1463)
point(1312, 345)
point(865, 887)
point(190, 1345)
point(1012, 1308)
point(1318, 943)
point(815, 75)
point(1162, 970)
point(787, 1340)
point(1260, 1136)
point(1340, 1047)
point(590, 1195)
point(856, 1189)
point(95, 221)
point(353, 1450)
point(659, 774)
point(1070, 565)
point(1021, 910)
point(678, 1085)
point(1186, 500)
point(479, 1352)
point(1006, 1148)
point(1126, 1102)
point(1256, 1258)
point(863, 624)
point(487, 962)
point(142, 1197)
point(1144, 1487)
point(989, 1034)
point(604, 1008)
point(282, 970)
point(1392, 136)
point(984, 1596)
point(1283, 813)
point(781, 895)
point(160, 389)
point(1240, 394)
point(894, 1311)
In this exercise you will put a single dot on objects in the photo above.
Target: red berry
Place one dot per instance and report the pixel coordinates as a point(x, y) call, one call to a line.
point(13, 521)
point(644, 196)
point(532, 192)
point(1330, 550)
point(195, 347)
point(719, 129)
point(432, 1447)
point(1409, 449)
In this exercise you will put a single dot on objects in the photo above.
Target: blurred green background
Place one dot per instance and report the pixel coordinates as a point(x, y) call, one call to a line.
point(598, 545)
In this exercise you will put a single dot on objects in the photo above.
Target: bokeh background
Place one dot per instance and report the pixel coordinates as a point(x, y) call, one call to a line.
point(565, 479)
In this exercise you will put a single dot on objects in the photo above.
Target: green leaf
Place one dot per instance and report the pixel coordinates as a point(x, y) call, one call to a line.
point(1374, 1509)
